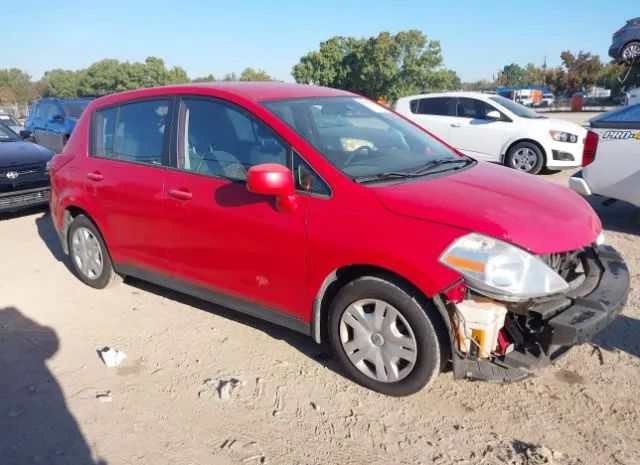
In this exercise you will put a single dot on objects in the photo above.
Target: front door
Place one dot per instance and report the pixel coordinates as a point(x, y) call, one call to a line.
point(125, 177)
point(474, 134)
point(223, 237)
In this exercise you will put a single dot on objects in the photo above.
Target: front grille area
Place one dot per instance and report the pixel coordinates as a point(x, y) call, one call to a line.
point(564, 263)
point(23, 199)
point(22, 170)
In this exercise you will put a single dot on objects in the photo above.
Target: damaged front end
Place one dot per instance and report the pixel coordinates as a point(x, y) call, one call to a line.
point(503, 338)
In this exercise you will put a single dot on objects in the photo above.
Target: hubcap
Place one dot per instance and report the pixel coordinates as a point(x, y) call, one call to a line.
point(631, 52)
point(524, 159)
point(378, 340)
point(86, 253)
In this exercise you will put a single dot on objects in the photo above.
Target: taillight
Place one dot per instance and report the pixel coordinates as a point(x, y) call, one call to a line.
point(590, 148)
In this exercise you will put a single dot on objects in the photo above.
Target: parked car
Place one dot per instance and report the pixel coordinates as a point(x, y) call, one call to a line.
point(52, 120)
point(625, 43)
point(633, 96)
point(329, 214)
point(493, 128)
point(9, 120)
point(613, 170)
point(547, 100)
point(24, 172)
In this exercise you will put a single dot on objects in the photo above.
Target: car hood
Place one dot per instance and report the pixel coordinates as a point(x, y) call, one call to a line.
point(22, 153)
point(519, 208)
point(559, 125)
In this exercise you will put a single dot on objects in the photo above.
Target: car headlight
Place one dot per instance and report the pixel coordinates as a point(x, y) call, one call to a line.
point(48, 165)
point(561, 136)
point(501, 270)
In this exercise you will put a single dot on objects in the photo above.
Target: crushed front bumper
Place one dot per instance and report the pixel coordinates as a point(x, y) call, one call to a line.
point(545, 329)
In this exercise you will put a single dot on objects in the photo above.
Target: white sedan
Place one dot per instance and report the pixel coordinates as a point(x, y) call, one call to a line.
point(493, 128)
point(613, 170)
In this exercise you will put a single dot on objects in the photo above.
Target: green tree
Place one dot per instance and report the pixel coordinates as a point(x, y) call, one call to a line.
point(61, 83)
point(382, 66)
point(208, 78)
point(582, 69)
point(512, 75)
point(250, 74)
point(16, 86)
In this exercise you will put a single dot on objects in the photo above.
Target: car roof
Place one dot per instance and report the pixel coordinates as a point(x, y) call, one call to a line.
point(480, 95)
point(253, 91)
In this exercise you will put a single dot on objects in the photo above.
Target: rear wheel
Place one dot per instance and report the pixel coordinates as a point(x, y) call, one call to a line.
point(89, 254)
point(384, 337)
point(630, 52)
point(525, 156)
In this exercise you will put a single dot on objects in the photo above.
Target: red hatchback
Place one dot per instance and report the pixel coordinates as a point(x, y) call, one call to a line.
point(321, 211)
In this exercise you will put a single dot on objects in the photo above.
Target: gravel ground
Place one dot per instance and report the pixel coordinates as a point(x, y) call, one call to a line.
point(60, 405)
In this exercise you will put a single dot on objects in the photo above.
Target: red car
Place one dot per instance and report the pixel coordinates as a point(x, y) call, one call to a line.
point(329, 214)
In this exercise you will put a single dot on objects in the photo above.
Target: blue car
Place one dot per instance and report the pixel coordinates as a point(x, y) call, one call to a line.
point(625, 44)
point(51, 121)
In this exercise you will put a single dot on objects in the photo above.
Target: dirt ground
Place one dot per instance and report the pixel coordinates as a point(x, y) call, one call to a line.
point(59, 404)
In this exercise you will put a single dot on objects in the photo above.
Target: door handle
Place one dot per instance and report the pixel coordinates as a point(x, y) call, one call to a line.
point(95, 176)
point(456, 125)
point(180, 194)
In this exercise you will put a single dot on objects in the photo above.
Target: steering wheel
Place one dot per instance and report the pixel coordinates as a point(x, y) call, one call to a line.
point(363, 149)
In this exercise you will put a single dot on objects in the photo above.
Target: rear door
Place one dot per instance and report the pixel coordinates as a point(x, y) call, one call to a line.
point(125, 176)
point(222, 237)
point(434, 114)
point(39, 129)
point(54, 127)
point(474, 133)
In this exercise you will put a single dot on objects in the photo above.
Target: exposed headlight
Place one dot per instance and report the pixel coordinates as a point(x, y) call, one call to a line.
point(561, 136)
point(350, 145)
point(48, 165)
point(501, 270)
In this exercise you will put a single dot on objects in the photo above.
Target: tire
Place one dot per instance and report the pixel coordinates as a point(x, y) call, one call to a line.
point(96, 271)
point(404, 321)
point(525, 156)
point(632, 52)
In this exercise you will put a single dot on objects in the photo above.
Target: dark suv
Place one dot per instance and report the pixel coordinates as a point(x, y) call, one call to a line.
point(625, 46)
point(51, 121)
point(24, 172)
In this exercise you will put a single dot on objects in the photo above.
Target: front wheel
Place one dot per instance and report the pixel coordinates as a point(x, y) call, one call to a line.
point(89, 255)
point(526, 157)
point(383, 337)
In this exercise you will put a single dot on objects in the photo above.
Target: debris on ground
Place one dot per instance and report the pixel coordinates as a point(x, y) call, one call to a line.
point(111, 357)
point(224, 388)
point(104, 397)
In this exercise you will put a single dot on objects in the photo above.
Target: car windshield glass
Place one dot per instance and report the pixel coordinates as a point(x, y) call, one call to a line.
point(361, 138)
point(74, 109)
point(9, 119)
point(515, 108)
point(7, 134)
point(630, 114)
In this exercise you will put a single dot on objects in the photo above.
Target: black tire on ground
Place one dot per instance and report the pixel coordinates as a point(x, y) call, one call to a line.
point(420, 316)
point(108, 277)
point(514, 158)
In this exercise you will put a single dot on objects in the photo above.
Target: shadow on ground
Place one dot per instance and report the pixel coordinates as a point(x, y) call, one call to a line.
point(621, 335)
point(35, 424)
point(618, 216)
point(49, 236)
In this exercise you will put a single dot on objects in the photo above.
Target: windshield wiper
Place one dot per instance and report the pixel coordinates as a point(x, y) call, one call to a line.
point(383, 176)
point(429, 166)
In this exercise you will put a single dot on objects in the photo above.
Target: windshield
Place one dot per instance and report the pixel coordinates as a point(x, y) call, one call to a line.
point(515, 108)
point(7, 134)
point(74, 109)
point(359, 137)
point(9, 120)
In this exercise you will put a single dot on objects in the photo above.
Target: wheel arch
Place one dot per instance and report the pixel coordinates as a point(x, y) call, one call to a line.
point(524, 139)
point(68, 215)
point(345, 274)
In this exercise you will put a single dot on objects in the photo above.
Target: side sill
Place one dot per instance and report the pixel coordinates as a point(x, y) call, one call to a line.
point(248, 308)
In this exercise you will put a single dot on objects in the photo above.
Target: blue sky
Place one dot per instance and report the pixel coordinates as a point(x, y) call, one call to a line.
point(477, 37)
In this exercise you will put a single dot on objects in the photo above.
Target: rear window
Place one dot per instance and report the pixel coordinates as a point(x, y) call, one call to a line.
point(132, 132)
point(74, 109)
point(431, 106)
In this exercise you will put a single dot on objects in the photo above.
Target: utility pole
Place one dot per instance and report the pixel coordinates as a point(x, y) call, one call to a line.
point(544, 72)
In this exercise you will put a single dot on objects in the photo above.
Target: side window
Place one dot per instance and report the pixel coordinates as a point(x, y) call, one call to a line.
point(467, 108)
point(413, 105)
point(307, 180)
point(222, 140)
point(439, 106)
point(43, 110)
point(131, 132)
point(104, 126)
point(54, 110)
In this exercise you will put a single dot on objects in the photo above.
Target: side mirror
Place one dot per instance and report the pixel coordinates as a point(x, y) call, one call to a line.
point(494, 115)
point(273, 179)
point(25, 134)
point(57, 118)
